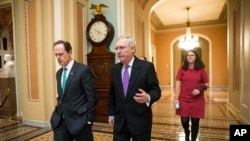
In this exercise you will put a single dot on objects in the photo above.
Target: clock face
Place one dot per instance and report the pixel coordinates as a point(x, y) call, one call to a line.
point(98, 31)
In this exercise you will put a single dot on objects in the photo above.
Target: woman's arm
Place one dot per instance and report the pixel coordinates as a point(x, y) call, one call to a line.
point(177, 89)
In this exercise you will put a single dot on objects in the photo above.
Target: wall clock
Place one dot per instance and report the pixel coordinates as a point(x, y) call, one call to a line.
point(100, 31)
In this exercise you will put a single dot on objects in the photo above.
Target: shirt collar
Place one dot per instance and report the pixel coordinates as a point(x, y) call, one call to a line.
point(131, 62)
point(70, 64)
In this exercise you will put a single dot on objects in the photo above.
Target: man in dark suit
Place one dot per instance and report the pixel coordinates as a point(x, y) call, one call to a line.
point(77, 98)
point(130, 111)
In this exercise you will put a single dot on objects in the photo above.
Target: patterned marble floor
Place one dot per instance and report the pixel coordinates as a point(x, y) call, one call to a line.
point(166, 125)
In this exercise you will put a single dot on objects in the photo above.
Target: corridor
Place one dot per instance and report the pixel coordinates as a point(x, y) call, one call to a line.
point(166, 125)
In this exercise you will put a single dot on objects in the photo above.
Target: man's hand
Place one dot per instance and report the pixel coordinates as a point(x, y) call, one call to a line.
point(141, 96)
point(111, 120)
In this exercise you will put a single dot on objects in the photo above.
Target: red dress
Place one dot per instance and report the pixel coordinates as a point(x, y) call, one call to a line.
point(191, 106)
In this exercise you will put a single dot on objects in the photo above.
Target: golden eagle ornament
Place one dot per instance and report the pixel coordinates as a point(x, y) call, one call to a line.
point(98, 8)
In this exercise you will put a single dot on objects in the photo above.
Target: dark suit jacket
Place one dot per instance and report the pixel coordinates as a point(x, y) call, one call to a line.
point(126, 109)
point(78, 103)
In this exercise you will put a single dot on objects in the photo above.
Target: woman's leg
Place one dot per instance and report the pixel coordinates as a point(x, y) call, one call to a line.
point(194, 128)
point(185, 125)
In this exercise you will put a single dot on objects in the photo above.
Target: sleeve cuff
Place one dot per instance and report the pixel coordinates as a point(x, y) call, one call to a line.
point(149, 99)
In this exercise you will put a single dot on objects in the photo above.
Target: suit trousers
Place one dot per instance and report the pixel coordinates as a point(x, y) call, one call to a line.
point(125, 135)
point(61, 133)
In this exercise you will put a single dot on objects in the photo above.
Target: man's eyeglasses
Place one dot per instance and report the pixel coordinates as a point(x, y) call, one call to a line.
point(120, 47)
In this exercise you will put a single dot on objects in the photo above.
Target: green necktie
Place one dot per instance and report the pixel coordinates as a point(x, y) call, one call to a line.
point(64, 78)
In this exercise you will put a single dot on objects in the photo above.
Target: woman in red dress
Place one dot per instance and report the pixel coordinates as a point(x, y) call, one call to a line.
point(191, 81)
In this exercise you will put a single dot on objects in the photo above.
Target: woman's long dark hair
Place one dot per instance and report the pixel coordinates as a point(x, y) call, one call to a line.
point(198, 64)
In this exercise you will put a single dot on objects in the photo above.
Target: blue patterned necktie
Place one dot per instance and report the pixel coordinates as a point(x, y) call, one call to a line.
point(125, 80)
point(64, 78)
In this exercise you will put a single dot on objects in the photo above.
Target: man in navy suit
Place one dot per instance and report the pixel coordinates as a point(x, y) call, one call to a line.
point(76, 102)
point(130, 112)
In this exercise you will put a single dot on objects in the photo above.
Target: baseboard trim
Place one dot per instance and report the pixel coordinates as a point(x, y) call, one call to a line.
point(36, 123)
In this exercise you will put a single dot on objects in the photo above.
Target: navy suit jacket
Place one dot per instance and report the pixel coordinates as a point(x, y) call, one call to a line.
point(126, 110)
point(78, 103)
